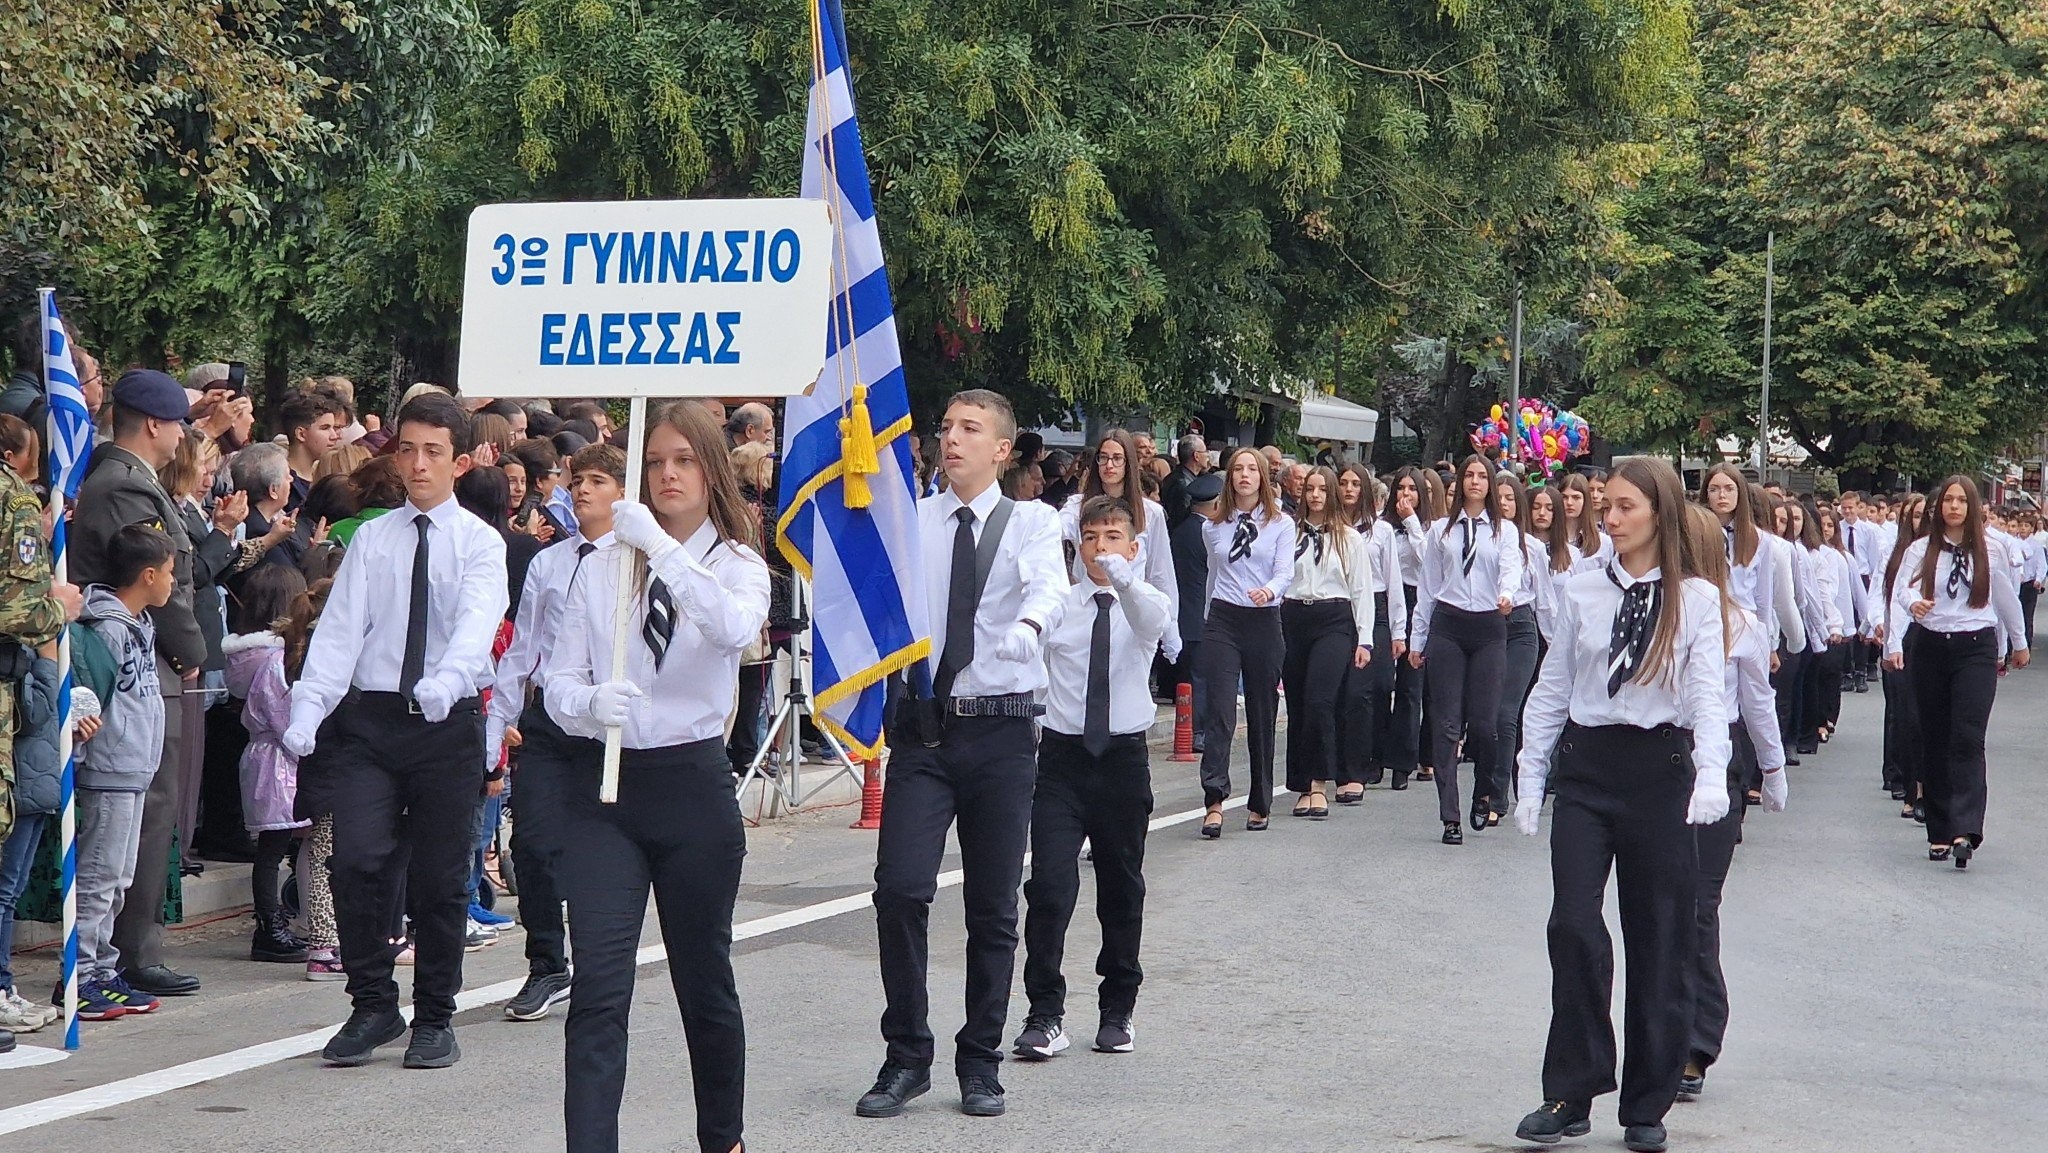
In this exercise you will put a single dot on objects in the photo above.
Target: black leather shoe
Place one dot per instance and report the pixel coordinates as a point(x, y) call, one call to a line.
point(6, 1041)
point(1480, 807)
point(1556, 1120)
point(1690, 1087)
point(1792, 761)
point(161, 981)
point(981, 1096)
point(1644, 1138)
point(365, 1030)
point(1400, 781)
point(1453, 835)
point(894, 1087)
point(432, 1047)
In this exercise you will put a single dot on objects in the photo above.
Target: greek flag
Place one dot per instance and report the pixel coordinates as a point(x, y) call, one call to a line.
point(849, 520)
point(70, 430)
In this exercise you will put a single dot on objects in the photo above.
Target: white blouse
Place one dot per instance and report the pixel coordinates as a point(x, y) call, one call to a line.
point(1342, 572)
point(1952, 613)
point(1496, 569)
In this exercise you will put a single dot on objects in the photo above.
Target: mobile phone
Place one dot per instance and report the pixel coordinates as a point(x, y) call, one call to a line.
point(238, 377)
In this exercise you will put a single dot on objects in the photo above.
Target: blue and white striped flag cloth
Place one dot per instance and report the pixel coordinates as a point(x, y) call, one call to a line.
point(849, 497)
point(70, 430)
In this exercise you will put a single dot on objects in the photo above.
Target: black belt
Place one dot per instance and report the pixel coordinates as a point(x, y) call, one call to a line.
point(405, 701)
point(1007, 705)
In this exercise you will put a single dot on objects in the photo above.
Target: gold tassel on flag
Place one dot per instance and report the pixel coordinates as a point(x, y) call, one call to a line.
point(857, 455)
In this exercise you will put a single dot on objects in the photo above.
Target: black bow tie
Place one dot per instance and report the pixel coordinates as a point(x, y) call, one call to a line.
point(1310, 535)
point(1635, 621)
point(1241, 540)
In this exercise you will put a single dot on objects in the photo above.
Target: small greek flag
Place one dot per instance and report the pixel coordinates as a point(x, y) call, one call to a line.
point(70, 430)
point(849, 520)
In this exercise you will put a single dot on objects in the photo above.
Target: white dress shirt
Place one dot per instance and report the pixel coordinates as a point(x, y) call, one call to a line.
point(361, 639)
point(1815, 600)
point(1866, 547)
point(1408, 542)
point(1385, 549)
point(1155, 561)
point(1269, 566)
point(720, 590)
point(1953, 614)
point(1841, 587)
point(1750, 697)
point(1497, 570)
point(2035, 570)
point(1344, 572)
point(1573, 683)
point(533, 653)
point(1137, 621)
point(1027, 582)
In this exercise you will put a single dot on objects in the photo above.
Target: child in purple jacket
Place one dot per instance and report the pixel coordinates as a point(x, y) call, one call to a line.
point(270, 775)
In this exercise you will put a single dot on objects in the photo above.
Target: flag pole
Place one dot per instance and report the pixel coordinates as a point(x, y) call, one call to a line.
point(67, 820)
point(636, 441)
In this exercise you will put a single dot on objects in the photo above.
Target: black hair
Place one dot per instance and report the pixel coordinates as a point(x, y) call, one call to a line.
point(485, 491)
point(569, 442)
point(264, 598)
point(135, 547)
point(306, 406)
point(505, 408)
point(439, 410)
point(25, 341)
point(586, 410)
point(583, 428)
point(1101, 509)
point(542, 423)
point(332, 499)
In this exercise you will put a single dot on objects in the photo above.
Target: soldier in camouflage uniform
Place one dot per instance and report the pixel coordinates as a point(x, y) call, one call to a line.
point(32, 611)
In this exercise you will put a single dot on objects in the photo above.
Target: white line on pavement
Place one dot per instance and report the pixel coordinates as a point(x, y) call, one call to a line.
point(145, 1085)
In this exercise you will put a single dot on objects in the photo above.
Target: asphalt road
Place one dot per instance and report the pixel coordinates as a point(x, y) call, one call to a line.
point(1340, 985)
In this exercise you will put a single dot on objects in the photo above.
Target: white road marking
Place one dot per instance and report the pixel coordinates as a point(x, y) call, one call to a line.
point(158, 1082)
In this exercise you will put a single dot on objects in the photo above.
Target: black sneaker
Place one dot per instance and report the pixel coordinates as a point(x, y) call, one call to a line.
point(1042, 1038)
point(1554, 1121)
point(6, 1041)
point(542, 991)
point(1116, 1034)
point(1690, 1087)
point(894, 1087)
point(981, 1096)
point(360, 1036)
point(1644, 1138)
point(273, 941)
point(432, 1047)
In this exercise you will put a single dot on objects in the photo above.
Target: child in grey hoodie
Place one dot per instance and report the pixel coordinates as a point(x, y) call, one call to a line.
point(114, 652)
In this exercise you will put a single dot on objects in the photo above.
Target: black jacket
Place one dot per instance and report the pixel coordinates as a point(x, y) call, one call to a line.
point(121, 490)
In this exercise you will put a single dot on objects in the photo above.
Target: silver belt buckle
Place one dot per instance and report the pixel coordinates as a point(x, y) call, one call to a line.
point(413, 706)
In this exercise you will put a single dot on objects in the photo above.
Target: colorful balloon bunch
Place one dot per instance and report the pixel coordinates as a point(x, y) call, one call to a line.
point(1535, 433)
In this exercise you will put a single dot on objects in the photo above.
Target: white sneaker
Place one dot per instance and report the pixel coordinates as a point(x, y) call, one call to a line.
point(479, 936)
point(18, 1014)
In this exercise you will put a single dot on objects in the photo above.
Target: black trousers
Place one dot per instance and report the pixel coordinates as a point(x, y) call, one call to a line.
point(1955, 677)
point(1399, 730)
point(1826, 702)
point(745, 741)
point(1523, 653)
point(537, 834)
point(1321, 637)
point(1716, 843)
point(220, 782)
point(982, 773)
point(1621, 800)
point(2030, 595)
point(676, 831)
point(406, 794)
point(1240, 643)
point(1466, 662)
point(1901, 765)
point(1106, 801)
point(1368, 699)
point(1787, 687)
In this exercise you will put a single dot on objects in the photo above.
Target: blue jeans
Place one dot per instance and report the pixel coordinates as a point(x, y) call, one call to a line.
point(488, 815)
point(17, 856)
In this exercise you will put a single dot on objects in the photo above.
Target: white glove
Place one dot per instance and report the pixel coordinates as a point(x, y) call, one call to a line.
point(1019, 645)
point(305, 728)
point(1527, 811)
point(298, 740)
point(434, 699)
point(494, 742)
point(1776, 789)
point(1709, 799)
point(634, 525)
point(1119, 571)
point(612, 701)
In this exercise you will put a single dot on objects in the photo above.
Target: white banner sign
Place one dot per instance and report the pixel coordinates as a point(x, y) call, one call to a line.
point(646, 298)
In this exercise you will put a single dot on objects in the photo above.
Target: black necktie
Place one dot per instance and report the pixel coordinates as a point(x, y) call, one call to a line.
point(660, 624)
point(583, 552)
point(414, 667)
point(1852, 536)
point(1635, 620)
point(1241, 540)
point(1471, 544)
point(960, 606)
point(1958, 571)
point(1095, 729)
point(1309, 535)
point(1728, 541)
